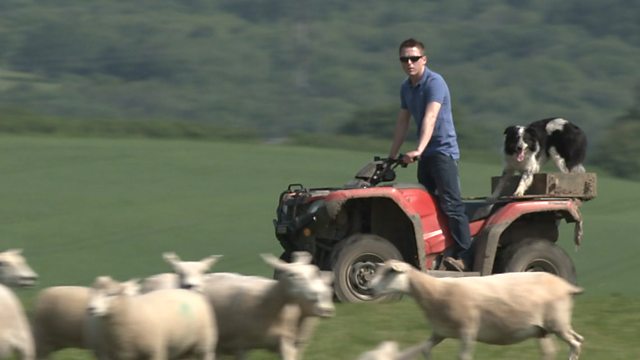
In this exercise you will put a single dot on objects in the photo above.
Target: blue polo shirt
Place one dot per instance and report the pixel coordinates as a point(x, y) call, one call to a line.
point(432, 87)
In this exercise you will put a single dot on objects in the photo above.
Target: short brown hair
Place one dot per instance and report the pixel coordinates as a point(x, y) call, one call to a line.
point(411, 42)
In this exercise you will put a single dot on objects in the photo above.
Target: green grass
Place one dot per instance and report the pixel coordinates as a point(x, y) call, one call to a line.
point(87, 207)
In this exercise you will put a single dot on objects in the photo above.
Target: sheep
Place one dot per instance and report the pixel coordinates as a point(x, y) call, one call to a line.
point(291, 324)
point(187, 274)
point(163, 324)
point(277, 315)
point(15, 332)
point(497, 309)
point(60, 319)
point(388, 350)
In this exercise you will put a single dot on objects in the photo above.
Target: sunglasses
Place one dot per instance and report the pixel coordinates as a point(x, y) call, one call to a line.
point(413, 59)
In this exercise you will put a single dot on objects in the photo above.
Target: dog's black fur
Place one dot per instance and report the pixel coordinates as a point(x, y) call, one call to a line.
point(526, 149)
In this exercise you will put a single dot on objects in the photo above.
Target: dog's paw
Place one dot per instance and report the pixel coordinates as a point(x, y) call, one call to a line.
point(518, 193)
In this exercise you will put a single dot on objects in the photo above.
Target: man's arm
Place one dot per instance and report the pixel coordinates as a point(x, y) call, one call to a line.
point(402, 126)
point(428, 124)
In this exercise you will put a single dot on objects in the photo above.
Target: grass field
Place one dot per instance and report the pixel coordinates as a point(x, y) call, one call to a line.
point(87, 207)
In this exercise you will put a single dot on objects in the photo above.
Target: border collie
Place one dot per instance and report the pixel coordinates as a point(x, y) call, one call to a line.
point(526, 149)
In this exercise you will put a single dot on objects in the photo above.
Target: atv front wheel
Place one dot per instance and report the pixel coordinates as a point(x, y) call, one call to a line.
point(354, 264)
point(538, 255)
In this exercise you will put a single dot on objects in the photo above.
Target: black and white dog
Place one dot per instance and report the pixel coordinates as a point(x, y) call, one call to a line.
point(526, 149)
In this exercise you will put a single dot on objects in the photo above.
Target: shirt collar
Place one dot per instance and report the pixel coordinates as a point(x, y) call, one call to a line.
point(423, 79)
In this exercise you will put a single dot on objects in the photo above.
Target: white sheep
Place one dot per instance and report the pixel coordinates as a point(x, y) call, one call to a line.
point(15, 332)
point(497, 309)
point(60, 319)
point(163, 324)
point(187, 274)
point(277, 315)
point(388, 350)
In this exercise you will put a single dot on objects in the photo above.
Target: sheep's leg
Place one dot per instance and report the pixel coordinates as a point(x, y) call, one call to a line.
point(205, 353)
point(430, 344)
point(158, 354)
point(26, 351)
point(547, 348)
point(468, 343)
point(574, 340)
point(577, 336)
point(288, 350)
point(25, 355)
point(306, 327)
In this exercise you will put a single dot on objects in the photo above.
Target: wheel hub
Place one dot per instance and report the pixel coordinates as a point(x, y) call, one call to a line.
point(360, 276)
point(542, 265)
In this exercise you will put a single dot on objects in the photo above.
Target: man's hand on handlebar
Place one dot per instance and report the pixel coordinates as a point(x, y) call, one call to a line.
point(411, 157)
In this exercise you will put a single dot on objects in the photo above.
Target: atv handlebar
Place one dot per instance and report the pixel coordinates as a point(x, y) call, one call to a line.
point(379, 170)
point(395, 162)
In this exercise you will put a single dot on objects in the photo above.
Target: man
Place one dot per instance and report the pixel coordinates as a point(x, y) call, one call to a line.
point(425, 97)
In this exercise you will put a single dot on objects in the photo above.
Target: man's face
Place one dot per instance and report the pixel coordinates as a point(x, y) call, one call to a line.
point(412, 61)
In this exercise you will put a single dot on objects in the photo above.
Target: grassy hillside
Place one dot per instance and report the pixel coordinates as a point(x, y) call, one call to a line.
point(86, 207)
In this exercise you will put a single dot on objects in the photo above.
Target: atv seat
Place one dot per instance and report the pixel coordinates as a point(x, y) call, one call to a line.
point(477, 209)
point(409, 186)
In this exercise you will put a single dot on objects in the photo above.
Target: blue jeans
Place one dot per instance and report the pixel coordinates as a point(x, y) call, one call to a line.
point(439, 174)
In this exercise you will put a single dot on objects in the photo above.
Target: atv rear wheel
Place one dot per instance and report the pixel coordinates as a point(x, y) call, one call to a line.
point(538, 255)
point(354, 264)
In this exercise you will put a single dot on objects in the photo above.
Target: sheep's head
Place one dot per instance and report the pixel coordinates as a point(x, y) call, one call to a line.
point(103, 292)
point(190, 273)
point(391, 277)
point(305, 283)
point(14, 270)
point(387, 350)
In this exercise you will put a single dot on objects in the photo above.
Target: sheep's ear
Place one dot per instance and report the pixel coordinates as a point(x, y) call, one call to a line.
point(399, 266)
point(101, 282)
point(274, 261)
point(301, 257)
point(170, 257)
point(15, 251)
point(209, 261)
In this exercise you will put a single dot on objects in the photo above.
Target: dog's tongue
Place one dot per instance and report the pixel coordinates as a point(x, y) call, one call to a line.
point(520, 155)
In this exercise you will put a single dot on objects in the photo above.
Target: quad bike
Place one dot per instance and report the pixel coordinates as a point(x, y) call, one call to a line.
point(350, 229)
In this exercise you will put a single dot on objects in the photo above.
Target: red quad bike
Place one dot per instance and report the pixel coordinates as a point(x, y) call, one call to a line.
point(350, 229)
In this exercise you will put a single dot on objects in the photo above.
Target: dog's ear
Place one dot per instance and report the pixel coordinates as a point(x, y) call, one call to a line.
point(510, 129)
